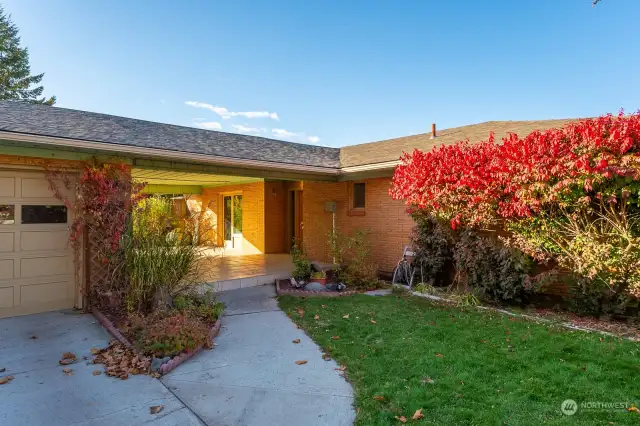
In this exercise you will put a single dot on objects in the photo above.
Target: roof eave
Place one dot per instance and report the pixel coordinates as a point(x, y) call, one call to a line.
point(49, 141)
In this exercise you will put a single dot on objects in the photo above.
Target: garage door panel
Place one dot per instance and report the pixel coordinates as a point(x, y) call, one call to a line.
point(43, 240)
point(44, 266)
point(36, 294)
point(36, 262)
point(38, 187)
point(6, 297)
point(7, 187)
point(6, 269)
point(6, 241)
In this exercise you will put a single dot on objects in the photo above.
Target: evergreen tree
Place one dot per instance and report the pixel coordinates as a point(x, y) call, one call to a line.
point(16, 81)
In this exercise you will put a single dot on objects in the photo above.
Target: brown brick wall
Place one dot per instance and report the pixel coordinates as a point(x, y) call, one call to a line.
point(386, 220)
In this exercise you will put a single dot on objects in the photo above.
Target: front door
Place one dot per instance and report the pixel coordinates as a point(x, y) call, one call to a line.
point(232, 221)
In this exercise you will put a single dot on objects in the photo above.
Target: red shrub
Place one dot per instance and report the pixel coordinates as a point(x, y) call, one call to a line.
point(480, 183)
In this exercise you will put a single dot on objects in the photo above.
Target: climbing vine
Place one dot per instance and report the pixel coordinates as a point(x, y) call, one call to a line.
point(105, 194)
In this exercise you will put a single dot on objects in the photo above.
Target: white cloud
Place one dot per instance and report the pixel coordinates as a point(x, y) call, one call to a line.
point(226, 114)
point(284, 133)
point(245, 129)
point(210, 125)
point(313, 139)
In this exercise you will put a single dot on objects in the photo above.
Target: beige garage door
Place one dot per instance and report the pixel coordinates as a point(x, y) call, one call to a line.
point(36, 263)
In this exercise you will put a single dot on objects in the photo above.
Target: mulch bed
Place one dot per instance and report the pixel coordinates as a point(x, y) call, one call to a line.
point(116, 323)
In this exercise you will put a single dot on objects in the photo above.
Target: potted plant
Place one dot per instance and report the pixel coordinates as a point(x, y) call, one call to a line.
point(319, 277)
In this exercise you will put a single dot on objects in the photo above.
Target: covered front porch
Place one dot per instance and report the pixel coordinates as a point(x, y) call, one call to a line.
point(248, 224)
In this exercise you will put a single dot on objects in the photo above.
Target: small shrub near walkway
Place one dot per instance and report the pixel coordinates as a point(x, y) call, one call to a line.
point(464, 367)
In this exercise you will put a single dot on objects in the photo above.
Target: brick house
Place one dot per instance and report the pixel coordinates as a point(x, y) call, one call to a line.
point(260, 194)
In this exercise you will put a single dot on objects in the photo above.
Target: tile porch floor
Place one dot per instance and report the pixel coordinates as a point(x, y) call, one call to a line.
point(223, 272)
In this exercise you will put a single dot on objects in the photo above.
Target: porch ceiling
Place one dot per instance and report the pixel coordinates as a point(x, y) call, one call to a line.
point(166, 177)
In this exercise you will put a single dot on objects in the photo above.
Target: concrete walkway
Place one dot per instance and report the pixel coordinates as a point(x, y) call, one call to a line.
point(250, 378)
point(41, 394)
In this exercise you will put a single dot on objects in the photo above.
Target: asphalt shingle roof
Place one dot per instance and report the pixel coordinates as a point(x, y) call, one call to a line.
point(43, 120)
point(391, 149)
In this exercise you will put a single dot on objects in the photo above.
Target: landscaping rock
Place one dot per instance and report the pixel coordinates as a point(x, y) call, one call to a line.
point(342, 286)
point(156, 363)
point(313, 286)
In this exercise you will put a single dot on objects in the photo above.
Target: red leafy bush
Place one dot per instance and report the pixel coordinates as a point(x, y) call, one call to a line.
point(481, 183)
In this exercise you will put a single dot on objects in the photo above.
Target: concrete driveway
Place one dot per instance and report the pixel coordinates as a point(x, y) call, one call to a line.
point(250, 378)
point(41, 394)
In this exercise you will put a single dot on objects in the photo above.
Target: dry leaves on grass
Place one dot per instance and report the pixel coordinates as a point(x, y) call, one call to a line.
point(345, 316)
point(417, 415)
point(155, 409)
point(120, 361)
point(335, 337)
point(326, 357)
point(401, 419)
point(440, 355)
point(324, 306)
point(296, 341)
point(301, 362)
point(428, 380)
point(316, 317)
point(378, 398)
point(67, 371)
point(300, 312)
point(373, 321)
point(6, 379)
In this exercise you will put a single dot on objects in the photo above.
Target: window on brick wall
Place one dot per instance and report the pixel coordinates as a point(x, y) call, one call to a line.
point(357, 199)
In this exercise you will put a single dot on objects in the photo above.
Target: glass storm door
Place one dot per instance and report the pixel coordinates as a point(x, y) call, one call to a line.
point(232, 221)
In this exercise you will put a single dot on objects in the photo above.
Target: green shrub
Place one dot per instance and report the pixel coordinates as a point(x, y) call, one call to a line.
point(499, 273)
point(355, 251)
point(301, 264)
point(432, 242)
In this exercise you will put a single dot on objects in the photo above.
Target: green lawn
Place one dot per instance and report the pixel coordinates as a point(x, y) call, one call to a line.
point(467, 367)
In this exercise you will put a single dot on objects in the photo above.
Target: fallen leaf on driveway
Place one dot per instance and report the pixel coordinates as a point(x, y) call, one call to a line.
point(68, 355)
point(402, 419)
point(34, 337)
point(316, 317)
point(67, 371)
point(417, 415)
point(66, 361)
point(301, 362)
point(346, 316)
point(95, 351)
point(373, 321)
point(5, 380)
point(379, 398)
point(155, 409)
point(335, 337)
point(97, 372)
point(295, 341)
point(326, 357)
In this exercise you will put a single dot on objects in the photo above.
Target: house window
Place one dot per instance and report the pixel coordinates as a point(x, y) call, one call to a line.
point(358, 196)
point(43, 214)
point(357, 199)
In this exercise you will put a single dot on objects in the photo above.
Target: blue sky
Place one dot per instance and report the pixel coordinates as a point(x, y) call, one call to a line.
point(343, 72)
